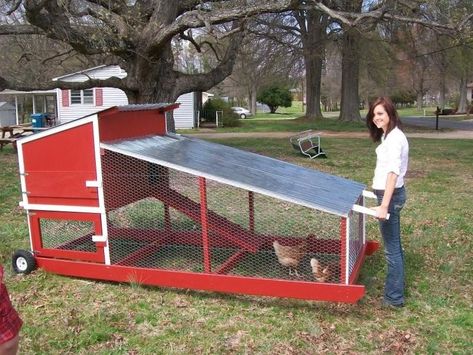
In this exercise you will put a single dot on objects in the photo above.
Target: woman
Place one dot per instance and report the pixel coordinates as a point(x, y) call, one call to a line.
point(388, 185)
point(10, 322)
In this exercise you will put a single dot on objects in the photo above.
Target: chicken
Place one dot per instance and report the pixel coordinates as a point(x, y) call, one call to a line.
point(324, 273)
point(290, 255)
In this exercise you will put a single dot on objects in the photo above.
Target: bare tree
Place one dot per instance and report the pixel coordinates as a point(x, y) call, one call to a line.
point(269, 54)
point(138, 36)
point(416, 58)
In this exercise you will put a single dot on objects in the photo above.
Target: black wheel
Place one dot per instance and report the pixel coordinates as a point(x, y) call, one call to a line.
point(23, 262)
point(242, 116)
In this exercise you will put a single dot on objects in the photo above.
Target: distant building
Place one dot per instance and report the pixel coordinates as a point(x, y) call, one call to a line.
point(7, 114)
point(67, 105)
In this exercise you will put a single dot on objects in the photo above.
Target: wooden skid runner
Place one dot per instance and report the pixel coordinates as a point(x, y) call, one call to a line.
point(208, 282)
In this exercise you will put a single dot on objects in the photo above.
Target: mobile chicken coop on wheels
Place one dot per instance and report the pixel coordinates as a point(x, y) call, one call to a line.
point(114, 196)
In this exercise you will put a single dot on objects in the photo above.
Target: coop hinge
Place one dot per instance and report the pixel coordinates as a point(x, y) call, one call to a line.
point(93, 183)
point(25, 192)
point(99, 238)
point(23, 174)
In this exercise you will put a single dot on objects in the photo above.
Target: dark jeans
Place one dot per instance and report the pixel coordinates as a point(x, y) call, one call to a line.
point(391, 233)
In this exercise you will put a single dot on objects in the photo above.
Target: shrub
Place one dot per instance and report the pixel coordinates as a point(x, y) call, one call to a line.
point(209, 113)
point(231, 119)
point(274, 97)
point(404, 98)
point(211, 107)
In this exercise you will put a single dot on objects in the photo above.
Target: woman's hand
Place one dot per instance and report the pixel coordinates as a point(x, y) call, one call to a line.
point(381, 212)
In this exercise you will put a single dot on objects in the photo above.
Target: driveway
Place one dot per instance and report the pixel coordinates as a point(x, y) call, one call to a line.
point(430, 123)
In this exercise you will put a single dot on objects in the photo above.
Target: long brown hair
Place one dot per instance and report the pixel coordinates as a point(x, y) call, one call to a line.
point(394, 121)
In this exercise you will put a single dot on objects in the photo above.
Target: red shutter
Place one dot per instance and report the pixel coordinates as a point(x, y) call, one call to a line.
point(98, 97)
point(65, 98)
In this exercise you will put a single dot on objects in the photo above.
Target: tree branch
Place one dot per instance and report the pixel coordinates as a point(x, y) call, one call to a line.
point(90, 83)
point(57, 55)
point(118, 7)
point(192, 82)
point(6, 30)
point(14, 7)
point(226, 11)
point(54, 21)
point(191, 39)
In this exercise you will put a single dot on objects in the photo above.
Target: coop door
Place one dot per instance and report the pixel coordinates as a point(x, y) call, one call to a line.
point(67, 235)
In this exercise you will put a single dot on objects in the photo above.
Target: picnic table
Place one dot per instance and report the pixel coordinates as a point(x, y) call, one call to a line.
point(10, 134)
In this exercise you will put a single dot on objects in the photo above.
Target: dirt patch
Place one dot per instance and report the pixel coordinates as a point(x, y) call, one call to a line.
point(415, 174)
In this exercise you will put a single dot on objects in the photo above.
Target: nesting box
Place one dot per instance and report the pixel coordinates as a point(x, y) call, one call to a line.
point(113, 196)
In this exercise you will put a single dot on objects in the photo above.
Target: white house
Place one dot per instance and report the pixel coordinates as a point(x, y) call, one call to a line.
point(73, 104)
point(67, 105)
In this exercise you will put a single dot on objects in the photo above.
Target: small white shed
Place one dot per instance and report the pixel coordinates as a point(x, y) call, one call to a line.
point(73, 104)
point(7, 114)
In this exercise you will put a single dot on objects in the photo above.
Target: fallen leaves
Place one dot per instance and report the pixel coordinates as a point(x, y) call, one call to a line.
point(396, 341)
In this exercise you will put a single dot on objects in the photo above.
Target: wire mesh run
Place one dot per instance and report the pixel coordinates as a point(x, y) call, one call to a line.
point(67, 234)
point(166, 219)
point(355, 237)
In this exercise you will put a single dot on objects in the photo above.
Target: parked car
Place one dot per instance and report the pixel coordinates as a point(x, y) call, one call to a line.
point(242, 112)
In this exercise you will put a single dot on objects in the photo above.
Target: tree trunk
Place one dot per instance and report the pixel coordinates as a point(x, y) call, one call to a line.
point(313, 87)
point(442, 91)
point(252, 98)
point(420, 99)
point(313, 26)
point(463, 104)
point(350, 100)
point(155, 81)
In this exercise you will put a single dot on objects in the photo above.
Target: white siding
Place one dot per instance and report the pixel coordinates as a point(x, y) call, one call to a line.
point(111, 97)
point(184, 115)
point(7, 114)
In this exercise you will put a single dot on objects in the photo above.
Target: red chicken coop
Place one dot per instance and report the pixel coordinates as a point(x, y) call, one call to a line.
point(114, 196)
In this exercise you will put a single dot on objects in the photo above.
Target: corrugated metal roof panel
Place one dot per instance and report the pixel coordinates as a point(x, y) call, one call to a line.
point(247, 170)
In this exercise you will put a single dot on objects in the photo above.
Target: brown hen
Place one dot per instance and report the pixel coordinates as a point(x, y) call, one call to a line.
point(324, 273)
point(290, 255)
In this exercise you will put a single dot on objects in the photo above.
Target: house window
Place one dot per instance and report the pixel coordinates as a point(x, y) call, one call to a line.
point(82, 97)
point(88, 96)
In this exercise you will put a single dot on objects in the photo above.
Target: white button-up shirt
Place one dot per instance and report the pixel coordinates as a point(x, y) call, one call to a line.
point(392, 155)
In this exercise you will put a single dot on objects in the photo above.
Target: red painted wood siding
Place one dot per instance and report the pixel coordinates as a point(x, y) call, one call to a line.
point(65, 98)
point(98, 97)
point(58, 166)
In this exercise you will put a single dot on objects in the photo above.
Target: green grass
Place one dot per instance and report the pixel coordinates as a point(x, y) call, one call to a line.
point(68, 315)
point(282, 113)
point(292, 120)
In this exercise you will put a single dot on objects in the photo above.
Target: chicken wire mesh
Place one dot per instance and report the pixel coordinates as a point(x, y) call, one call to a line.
point(158, 217)
point(67, 234)
point(355, 237)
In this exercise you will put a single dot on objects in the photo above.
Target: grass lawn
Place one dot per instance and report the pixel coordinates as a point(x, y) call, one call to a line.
point(291, 119)
point(282, 113)
point(67, 315)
